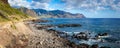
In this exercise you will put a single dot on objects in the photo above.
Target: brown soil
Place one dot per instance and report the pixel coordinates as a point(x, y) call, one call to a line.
point(26, 35)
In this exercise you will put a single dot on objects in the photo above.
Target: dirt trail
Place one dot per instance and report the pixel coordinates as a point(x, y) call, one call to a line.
point(26, 35)
point(14, 35)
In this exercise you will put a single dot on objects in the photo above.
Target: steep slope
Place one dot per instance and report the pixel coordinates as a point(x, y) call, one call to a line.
point(12, 34)
point(8, 13)
point(57, 14)
point(63, 14)
point(28, 11)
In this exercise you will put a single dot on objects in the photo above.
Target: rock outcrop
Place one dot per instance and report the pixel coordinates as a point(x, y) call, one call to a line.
point(28, 11)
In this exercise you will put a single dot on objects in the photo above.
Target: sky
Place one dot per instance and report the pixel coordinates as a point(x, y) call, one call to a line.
point(89, 8)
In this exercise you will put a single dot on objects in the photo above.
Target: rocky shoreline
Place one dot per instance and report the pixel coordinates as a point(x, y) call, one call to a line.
point(28, 34)
point(57, 38)
point(49, 38)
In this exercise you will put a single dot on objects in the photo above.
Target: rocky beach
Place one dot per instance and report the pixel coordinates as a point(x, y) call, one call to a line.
point(49, 38)
point(80, 39)
point(30, 34)
point(59, 24)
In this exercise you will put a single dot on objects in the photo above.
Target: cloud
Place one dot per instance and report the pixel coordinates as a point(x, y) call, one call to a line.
point(92, 4)
point(34, 4)
point(89, 5)
point(17, 3)
point(42, 1)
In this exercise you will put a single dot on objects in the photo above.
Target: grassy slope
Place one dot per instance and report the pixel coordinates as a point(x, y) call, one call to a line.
point(8, 13)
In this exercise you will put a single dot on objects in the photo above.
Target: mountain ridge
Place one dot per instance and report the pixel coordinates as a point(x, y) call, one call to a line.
point(58, 13)
point(50, 14)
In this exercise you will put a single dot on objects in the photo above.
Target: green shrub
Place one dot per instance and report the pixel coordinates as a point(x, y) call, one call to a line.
point(7, 12)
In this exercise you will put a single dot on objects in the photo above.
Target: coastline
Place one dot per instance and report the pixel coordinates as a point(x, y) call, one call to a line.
point(46, 39)
point(99, 37)
point(24, 34)
point(28, 34)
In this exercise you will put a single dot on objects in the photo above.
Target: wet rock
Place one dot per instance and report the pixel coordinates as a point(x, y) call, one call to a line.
point(54, 32)
point(118, 42)
point(58, 32)
point(39, 21)
point(94, 46)
point(84, 46)
point(68, 25)
point(81, 35)
point(101, 35)
point(44, 26)
point(51, 30)
point(104, 34)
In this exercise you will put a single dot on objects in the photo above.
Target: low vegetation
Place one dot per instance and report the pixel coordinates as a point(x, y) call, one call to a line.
point(8, 13)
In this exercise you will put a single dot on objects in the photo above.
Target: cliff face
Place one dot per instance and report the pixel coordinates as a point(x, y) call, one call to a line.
point(28, 12)
point(12, 34)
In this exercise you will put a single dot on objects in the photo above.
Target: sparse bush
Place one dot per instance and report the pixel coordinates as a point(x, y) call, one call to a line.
point(6, 13)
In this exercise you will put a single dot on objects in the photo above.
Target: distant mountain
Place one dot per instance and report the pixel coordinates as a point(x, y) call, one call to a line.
point(57, 14)
point(50, 14)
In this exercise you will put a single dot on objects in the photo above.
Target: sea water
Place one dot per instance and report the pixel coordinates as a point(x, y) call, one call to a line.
point(93, 25)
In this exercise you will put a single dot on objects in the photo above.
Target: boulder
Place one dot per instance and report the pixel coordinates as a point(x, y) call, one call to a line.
point(94, 46)
point(84, 46)
point(81, 35)
point(102, 35)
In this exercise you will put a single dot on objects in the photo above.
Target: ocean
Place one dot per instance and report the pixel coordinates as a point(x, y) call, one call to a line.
point(93, 25)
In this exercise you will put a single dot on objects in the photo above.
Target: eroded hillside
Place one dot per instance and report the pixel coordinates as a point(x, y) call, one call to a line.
point(8, 13)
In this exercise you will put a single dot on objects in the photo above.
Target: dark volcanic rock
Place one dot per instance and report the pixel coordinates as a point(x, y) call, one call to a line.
point(81, 35)
point(43, 27)
point(68, 25)
point(84, 46)
point(39, 21)
point(104, 34)
point(101, 35)
point(94, 46)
